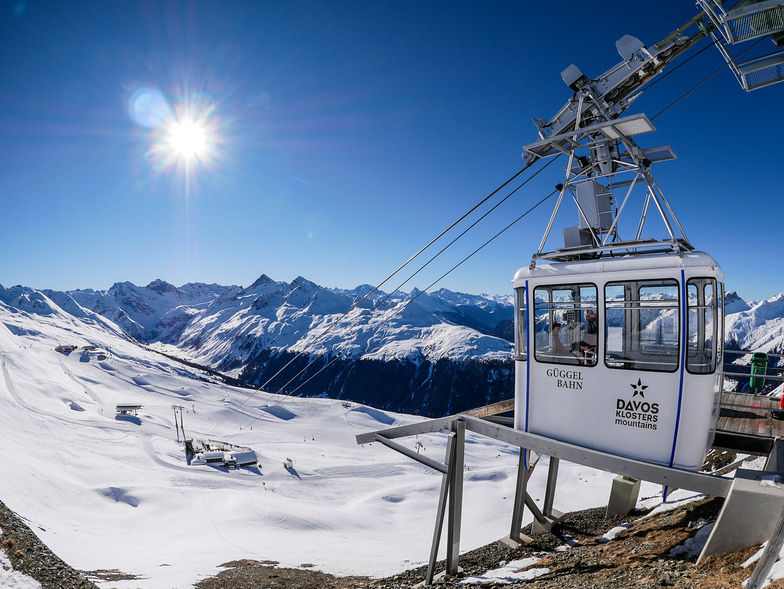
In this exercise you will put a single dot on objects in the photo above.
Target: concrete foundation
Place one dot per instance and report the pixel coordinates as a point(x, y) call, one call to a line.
point(752, 508)
point(623, 496)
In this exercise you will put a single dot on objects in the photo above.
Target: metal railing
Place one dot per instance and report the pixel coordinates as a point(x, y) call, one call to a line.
point(767, 376)
point(753, 21)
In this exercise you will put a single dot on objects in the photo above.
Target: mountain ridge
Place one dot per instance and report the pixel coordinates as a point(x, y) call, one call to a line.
point(427, 353)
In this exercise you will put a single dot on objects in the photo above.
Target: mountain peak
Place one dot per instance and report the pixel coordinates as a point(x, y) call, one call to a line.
point(731, 296)
point(733, 303)
point(262, 280)
point(303, 283)
point(161, 286)
point(121, 285)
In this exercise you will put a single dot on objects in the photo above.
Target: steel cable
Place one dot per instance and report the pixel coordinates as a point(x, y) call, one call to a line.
point(411, 300)
point(377, 287)
point(693, 88)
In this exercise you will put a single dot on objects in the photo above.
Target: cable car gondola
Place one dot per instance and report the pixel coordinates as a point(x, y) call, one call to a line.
point(622, 354)
point(618, 342)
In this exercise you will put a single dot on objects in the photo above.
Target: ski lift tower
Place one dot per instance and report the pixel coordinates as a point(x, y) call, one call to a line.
point(604, 167)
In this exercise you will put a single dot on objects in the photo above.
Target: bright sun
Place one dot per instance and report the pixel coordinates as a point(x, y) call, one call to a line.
point(187, 139)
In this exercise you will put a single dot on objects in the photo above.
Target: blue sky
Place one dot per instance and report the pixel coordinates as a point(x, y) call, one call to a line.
point(343, 137)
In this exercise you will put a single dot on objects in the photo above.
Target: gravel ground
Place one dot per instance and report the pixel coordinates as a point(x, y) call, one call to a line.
point(30, 556)
point(637, 557)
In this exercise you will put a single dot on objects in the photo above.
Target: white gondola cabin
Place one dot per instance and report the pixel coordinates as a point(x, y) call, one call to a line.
point(622, 354)
point(618, 340)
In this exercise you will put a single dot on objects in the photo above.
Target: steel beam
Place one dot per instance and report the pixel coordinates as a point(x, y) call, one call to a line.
point(456, 466)
point(769, 556)
point(672, 477)
point(450, 502)
point(552, 479)
point(442, 499)
point(423, 427)
point(521, 492)
point(434, 464)
point(637, 469)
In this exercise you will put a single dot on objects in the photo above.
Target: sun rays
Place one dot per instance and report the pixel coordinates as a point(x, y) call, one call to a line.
point(184, 133)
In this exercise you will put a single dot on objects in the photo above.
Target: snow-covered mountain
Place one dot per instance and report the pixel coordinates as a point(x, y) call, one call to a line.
point(224, 325)
point(114, 492)
point(428, 353)
point(755, 325)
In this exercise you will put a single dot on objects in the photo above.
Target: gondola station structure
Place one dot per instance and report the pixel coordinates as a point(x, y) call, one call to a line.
point(619, 328)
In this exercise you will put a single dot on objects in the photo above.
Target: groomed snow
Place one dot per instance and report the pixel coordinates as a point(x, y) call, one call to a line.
point(114, 492)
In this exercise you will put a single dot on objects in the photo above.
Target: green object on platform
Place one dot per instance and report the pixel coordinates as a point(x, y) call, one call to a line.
point(759, 367)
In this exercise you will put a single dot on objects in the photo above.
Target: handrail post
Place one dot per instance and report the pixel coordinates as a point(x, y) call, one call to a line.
point(448, 459)
point(456, 466)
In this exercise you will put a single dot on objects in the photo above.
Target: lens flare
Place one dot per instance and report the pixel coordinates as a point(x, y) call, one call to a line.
point(182, 135)
point(149, 108)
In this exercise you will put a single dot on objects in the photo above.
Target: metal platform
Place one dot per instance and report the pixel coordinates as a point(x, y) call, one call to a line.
point(451, 495)
point(745, 424)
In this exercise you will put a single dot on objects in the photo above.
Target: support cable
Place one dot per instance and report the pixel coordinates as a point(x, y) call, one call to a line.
point(388, 296)
point(685, 94)
point(469, 256)
point(410, 277)
point(463, 217)
point(377, 287)
point(677, 67)
point(485, 244)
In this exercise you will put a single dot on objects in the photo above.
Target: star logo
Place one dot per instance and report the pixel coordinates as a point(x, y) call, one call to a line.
point(639, 388)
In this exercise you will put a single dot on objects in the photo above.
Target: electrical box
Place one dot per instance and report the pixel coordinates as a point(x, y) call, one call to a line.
point(576, 237)
point(595, 201)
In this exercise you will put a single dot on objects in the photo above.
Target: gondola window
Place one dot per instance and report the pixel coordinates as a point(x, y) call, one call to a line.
point(642, 325)
point(566, 324)
point(521, 325)
point(703, 321)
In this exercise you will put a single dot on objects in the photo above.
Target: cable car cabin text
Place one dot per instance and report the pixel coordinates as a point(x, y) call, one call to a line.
point(622, 355)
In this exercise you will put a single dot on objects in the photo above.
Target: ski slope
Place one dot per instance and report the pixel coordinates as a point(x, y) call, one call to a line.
point(108, 491)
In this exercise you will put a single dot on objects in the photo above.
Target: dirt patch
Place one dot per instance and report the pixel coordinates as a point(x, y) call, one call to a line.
point(109, 575)
point(249, 573)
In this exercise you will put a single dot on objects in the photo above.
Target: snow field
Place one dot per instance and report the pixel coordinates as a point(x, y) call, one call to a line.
point(114, 492)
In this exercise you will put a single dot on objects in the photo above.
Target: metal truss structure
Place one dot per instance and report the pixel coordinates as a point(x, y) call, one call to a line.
point(531, 446)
